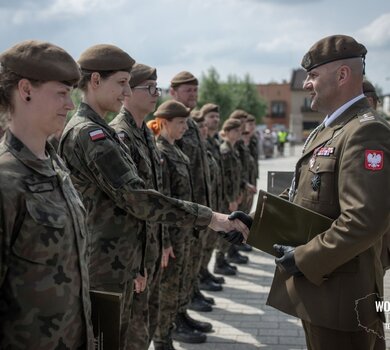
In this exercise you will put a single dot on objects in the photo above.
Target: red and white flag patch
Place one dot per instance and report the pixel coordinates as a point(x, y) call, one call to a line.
point(373, 159)
point(97, 135)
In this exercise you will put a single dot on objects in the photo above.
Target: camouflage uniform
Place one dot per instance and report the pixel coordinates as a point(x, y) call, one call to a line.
point(231, 173)
point(175, 283)
point(144, 153)
point(254, 151)
point(194, 148)
point(246, 163)
point(44, 288)
point(117, 203)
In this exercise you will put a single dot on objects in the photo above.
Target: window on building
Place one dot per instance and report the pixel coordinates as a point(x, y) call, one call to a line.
point(278, 109)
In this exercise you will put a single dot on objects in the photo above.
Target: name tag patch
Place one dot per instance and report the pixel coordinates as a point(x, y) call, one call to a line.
point(373, 160)
point(97, 135)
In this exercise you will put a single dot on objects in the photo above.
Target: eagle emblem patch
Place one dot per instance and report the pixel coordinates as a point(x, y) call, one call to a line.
point(373, 159)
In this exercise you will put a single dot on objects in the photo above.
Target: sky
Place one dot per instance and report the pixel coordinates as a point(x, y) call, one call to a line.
point(264, 38)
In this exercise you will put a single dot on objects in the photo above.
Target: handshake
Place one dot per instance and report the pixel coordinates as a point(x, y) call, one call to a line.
point(238, 229)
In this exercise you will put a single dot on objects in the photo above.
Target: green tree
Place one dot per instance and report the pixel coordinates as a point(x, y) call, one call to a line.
point(233, 94)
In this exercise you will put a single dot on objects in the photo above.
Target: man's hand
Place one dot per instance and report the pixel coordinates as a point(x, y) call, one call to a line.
point(286, 261)
point(167, 253)
point(140, 282)
point(221, 222)
point(236, 237)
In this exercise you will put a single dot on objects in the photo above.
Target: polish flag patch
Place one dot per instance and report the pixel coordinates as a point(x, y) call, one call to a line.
point(97, 135)
point(373, 159)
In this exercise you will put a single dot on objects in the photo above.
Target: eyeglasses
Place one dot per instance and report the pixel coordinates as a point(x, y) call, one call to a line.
point(153, 89)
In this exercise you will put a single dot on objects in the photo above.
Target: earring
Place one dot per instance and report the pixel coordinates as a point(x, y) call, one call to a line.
point(28, 98)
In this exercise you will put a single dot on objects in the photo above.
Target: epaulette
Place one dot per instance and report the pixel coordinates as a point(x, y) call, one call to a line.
point(366, 117)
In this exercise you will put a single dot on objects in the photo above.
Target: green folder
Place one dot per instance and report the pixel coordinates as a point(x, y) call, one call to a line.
point(106, 319)
point(278, 221)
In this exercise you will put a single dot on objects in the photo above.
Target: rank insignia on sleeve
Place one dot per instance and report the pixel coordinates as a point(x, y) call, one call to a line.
point(373, 159)
point(97, 135)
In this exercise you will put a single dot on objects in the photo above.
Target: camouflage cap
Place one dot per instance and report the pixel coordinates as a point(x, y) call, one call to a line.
point(238, 114)
point(172, 109)
point(104, 57)
point(209, 107)
point(198, 116)
point(183, 77)
point(141, 72)
point(42, 61)
point(231, 124)
point(369, 90)
point(332, 48)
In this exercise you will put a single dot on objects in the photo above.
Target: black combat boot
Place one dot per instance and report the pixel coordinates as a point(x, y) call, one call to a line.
point(222, 267)
point(204, 327)
point(244, 247)
point(233, 256)
point(199, 304)
point(199, 294)
point(205, 273)
point(185, 334)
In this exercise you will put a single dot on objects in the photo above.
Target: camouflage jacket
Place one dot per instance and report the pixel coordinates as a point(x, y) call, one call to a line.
point(143, 151)
point(243, 155)
point(254, 151)
point(216, 172)
point(44, 287)
point(232, 171)
point(193, 147)
point(115, 197)
point(176, 181)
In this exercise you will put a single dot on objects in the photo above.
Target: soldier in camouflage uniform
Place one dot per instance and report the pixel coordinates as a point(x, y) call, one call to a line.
point(184, 88)
point(253, 146)
point(44, 285)
point(114, 195)
point(247, 189)
point(132, 130)
point(209, 114)
point(169, 126)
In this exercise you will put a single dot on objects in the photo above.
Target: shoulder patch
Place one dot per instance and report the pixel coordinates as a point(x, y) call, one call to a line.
point(97, 135)
point(373, 160)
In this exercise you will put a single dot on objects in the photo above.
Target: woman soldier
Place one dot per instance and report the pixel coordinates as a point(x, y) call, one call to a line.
point(44, 300)
point(114, 195)
point(170, 125)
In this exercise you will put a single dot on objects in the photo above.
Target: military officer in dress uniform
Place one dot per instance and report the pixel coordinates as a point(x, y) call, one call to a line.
point(132, 130)
point(332, 282)
point(44, 284)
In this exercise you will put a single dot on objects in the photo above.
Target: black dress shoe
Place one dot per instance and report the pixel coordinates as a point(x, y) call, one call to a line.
point(185, 334)
point(204, 327)
point(209, 285)
point(198, 304)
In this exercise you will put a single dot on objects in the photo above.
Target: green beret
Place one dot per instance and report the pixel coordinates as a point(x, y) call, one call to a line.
point(251, 118)
point(332, 48)
point(209, 107)
point(198, 116)
point(231, 124)
point(140, 73)
point(238, 114)
point(42, 61)
point(104, 57)
point(172, 109)
point(183, 78)
point(369, 90)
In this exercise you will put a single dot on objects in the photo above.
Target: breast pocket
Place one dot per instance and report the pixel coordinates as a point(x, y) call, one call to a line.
point(41, 235)
point(322, 180)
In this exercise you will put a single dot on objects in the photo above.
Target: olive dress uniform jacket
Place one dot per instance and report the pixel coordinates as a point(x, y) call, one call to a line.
point(44, 285)
point(344, 174)
point(115, 198)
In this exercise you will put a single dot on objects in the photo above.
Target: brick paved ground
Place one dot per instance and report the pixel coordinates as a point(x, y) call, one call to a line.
point(240, 318)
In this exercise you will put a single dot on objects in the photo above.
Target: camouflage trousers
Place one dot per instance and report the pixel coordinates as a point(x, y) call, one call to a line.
point(127, 290)
point(195, 259)
point(209, 242)
point(174, 285)
point(144, 311)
